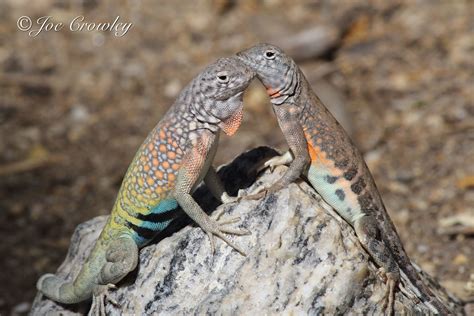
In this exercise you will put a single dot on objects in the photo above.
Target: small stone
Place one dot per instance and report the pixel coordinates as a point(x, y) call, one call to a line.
point(79, 113)
point(460, 259)
point(21, 308)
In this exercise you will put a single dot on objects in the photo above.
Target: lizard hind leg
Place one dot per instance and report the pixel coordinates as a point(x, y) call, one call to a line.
point(121, 258)
point(370, 237)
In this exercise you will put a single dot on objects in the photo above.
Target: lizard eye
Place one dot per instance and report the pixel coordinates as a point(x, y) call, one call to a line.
point(222, 77)
point(270, 54)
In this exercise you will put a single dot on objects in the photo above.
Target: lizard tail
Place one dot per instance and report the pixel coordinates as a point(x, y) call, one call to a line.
point(60, 290)
point(79, 289)
point(404, 263)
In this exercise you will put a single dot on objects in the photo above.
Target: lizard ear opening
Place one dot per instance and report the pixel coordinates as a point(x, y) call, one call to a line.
point(232, 123)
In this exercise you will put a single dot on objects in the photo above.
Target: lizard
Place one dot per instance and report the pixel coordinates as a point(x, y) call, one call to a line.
point(174, 158)
point(321, 150)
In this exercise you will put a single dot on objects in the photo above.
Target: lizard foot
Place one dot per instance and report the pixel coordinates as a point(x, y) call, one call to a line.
point(272, 163)
point(389, 294)
point(226, 198)
point(215, 228)
point(263, 192)
point(98, 300)
point(276, 161)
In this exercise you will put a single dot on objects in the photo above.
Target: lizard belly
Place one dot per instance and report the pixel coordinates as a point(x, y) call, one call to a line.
point(147, 224)
point(336, 191)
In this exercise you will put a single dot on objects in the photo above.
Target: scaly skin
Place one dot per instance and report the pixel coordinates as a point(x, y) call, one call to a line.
point(171, 162)
point(321, 150)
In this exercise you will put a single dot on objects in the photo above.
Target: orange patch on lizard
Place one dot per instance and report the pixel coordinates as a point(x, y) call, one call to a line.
point(273, 93)
point(317, 155)
point(150, 180)
point(232, 124)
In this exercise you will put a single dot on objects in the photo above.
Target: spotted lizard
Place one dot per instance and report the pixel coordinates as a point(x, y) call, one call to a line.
point(174, 158)
point(321, 150)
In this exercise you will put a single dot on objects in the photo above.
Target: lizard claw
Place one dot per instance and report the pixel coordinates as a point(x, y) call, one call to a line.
point(256, 196)
point(215, 228)
point(99, 297)
point(389, 293)
point(225, 198)
point(276, 161)
point(263, 192)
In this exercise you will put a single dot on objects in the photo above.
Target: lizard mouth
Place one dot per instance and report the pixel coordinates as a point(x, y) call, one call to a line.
point(273, 93)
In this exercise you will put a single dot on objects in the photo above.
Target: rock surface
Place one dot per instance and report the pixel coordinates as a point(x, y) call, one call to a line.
point(301, 259)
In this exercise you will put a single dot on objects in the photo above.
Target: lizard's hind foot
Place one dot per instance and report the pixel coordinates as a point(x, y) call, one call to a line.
point(389, 293)
point(99, 297)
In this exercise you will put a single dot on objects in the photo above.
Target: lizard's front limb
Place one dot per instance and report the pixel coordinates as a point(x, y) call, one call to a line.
point(276, 161)
point(192, 166)
point(296, 140)
point(370, 237)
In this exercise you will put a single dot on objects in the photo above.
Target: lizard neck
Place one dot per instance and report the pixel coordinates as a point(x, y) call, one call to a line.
point(295, 86)
point(193, 108)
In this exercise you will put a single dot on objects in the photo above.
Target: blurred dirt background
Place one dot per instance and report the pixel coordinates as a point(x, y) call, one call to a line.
point(75, 106)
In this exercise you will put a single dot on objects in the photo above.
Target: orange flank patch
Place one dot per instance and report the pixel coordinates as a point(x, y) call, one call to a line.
point(150, 180)
point(166, 164)
point(171, 155)
point(317, 155)
point(174, 144)
point(148, 191)
point(155, 162)
point(273, 93)
point(162, 148)
point(158, 190)
point(162, 134)
point(146, 168)
point(151, 146)
point(159, 174)
point(171, 177)
point(175, 166)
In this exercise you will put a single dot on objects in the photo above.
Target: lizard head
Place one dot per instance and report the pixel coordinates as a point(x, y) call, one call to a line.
point(277, 71)
point(221, 87)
